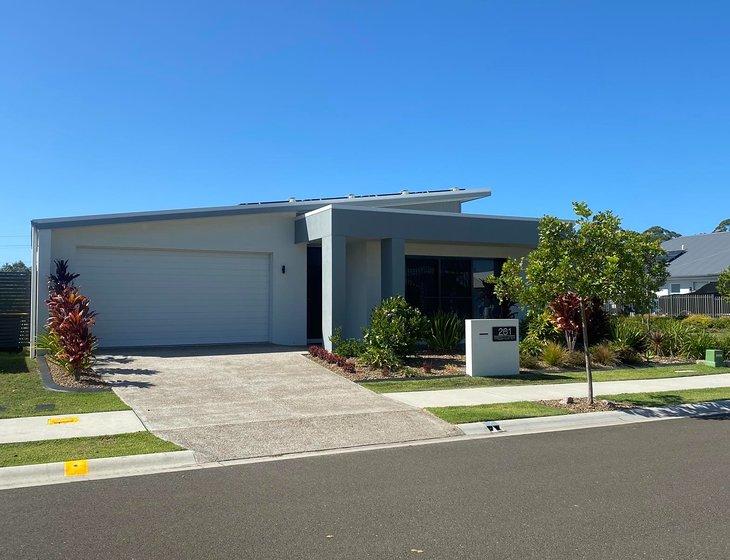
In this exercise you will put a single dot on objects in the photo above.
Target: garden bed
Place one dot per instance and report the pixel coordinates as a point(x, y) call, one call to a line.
point(60, 379)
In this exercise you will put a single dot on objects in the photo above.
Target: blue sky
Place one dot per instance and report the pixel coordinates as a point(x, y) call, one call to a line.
point(136, 105)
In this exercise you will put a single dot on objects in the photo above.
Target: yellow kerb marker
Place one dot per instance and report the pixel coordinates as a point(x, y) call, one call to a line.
point(76, 468)
point(63, 420)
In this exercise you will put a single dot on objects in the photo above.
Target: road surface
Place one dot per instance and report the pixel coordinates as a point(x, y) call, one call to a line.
point(658, 490)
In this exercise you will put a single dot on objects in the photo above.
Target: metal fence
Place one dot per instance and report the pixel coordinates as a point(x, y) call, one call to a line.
point(692, 304)
point(14, 309)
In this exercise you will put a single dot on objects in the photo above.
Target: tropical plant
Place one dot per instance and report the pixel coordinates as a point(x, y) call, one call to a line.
point(69, 340)
point(62, 279)
point(445, 331)
point(554, 354)
point(381, 358)
point(565, 310)
point(603, 354)
point(396, 327)
point(630, 333)
point(532, 346)
point(655, 342)
point(694, 344)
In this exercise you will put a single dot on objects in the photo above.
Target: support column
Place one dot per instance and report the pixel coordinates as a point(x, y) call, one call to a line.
point(392, 267)
point(334, 272)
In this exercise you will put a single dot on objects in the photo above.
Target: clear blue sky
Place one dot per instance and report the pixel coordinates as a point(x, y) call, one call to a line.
point(137, 105)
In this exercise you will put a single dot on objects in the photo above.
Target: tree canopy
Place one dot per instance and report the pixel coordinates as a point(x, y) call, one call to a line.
point(18, 266)
point(723, 226)
point(662, 234)
point(590, 258)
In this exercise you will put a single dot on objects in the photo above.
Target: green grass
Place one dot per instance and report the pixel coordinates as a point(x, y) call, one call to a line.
point(526, 409)
point(535, 378)
point(21, 390)
point(55, 450)
point(665, 398)
point(500, 411)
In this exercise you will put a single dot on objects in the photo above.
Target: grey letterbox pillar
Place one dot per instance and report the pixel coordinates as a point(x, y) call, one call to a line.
point(392, 267)
point(334, 292)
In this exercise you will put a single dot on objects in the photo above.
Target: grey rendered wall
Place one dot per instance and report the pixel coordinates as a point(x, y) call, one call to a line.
point(363, 284)
point(264, 233)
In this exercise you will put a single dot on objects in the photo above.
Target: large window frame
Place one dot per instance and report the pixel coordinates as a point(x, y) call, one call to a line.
point(436, 283)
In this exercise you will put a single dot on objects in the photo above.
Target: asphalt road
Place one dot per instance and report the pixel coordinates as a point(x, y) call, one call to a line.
point(658, 490)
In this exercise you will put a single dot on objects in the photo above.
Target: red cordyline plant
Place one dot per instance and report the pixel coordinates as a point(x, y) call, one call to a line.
point(69, 324)
point(565, 310)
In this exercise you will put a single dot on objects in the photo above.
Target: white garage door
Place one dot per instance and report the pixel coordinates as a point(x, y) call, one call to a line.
point(158, 297)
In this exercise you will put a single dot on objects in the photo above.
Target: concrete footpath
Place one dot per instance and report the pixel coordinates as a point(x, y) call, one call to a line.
point(37, 428)
point(488, 395)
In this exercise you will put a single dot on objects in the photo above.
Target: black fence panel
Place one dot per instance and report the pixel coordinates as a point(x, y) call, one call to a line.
point(14, 309)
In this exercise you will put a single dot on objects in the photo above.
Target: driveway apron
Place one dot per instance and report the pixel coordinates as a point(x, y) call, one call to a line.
point(245, 401)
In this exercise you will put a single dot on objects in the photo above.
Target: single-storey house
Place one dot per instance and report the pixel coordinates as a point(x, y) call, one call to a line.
point(286, 272)
point(695, 261)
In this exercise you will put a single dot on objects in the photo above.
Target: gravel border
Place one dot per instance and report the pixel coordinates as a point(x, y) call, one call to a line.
point(51, 385)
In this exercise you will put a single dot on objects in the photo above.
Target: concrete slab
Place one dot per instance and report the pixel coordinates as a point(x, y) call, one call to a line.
point(234, 402)
point(37, 428)
point(488, 395)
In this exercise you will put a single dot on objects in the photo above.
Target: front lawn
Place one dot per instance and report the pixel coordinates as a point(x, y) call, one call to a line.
point(498, 411)
point(23, 394)
point(533, 378)
point(667, 398)
point(57, 450)
point(526, 409)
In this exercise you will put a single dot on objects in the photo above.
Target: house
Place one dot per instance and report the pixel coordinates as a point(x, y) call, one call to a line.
point(695, 261)
point(285, 272)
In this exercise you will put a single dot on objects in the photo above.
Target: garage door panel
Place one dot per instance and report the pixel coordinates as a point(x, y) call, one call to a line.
point(155, 297)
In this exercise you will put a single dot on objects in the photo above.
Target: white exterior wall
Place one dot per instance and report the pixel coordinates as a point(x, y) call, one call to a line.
point(260, 233)
point(686, 285)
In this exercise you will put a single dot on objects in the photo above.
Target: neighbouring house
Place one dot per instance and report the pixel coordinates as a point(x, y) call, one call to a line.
point(286, 272)
point(695, 262)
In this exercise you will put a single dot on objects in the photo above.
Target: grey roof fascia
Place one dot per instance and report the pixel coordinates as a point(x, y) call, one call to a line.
point(296, 207)
point(415, 225)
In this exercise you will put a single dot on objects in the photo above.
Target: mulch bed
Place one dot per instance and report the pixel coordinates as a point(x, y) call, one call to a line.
point(581, 405)
point(440, 366)
point(63, 378)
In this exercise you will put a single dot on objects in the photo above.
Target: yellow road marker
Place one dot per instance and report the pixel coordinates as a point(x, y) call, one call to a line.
point(63, 420)
point(76, 468)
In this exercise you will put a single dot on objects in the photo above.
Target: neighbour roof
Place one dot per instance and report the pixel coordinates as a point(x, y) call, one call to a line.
point(294, 205)
point(699, 255)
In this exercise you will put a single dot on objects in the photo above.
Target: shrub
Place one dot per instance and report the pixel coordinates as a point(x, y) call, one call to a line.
point(575, 359)
point(629, 332)
point(382, 358)
point(528, 361)
point(603, 354)
point(675, 335)
point(69, 340)
point(698, 321)
point(347, 347)
point(625, 354)
point(655, 341)
point(396, 327)
point(446, 330)
point(720, 323)
point(694, 344)
point(554, 354)
point(329, 357)
point(532, 346)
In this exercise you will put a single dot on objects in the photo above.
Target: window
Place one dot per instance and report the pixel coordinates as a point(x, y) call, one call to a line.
point(675, 288)
point(452, 284)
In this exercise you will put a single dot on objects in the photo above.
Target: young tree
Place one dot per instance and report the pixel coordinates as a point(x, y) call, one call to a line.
point(723, 283)
point(592, 258)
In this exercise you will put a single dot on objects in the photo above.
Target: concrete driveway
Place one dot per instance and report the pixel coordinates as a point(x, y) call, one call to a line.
point(234, 402)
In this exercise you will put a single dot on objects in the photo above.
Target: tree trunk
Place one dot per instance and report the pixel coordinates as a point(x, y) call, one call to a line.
point(586, 354)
